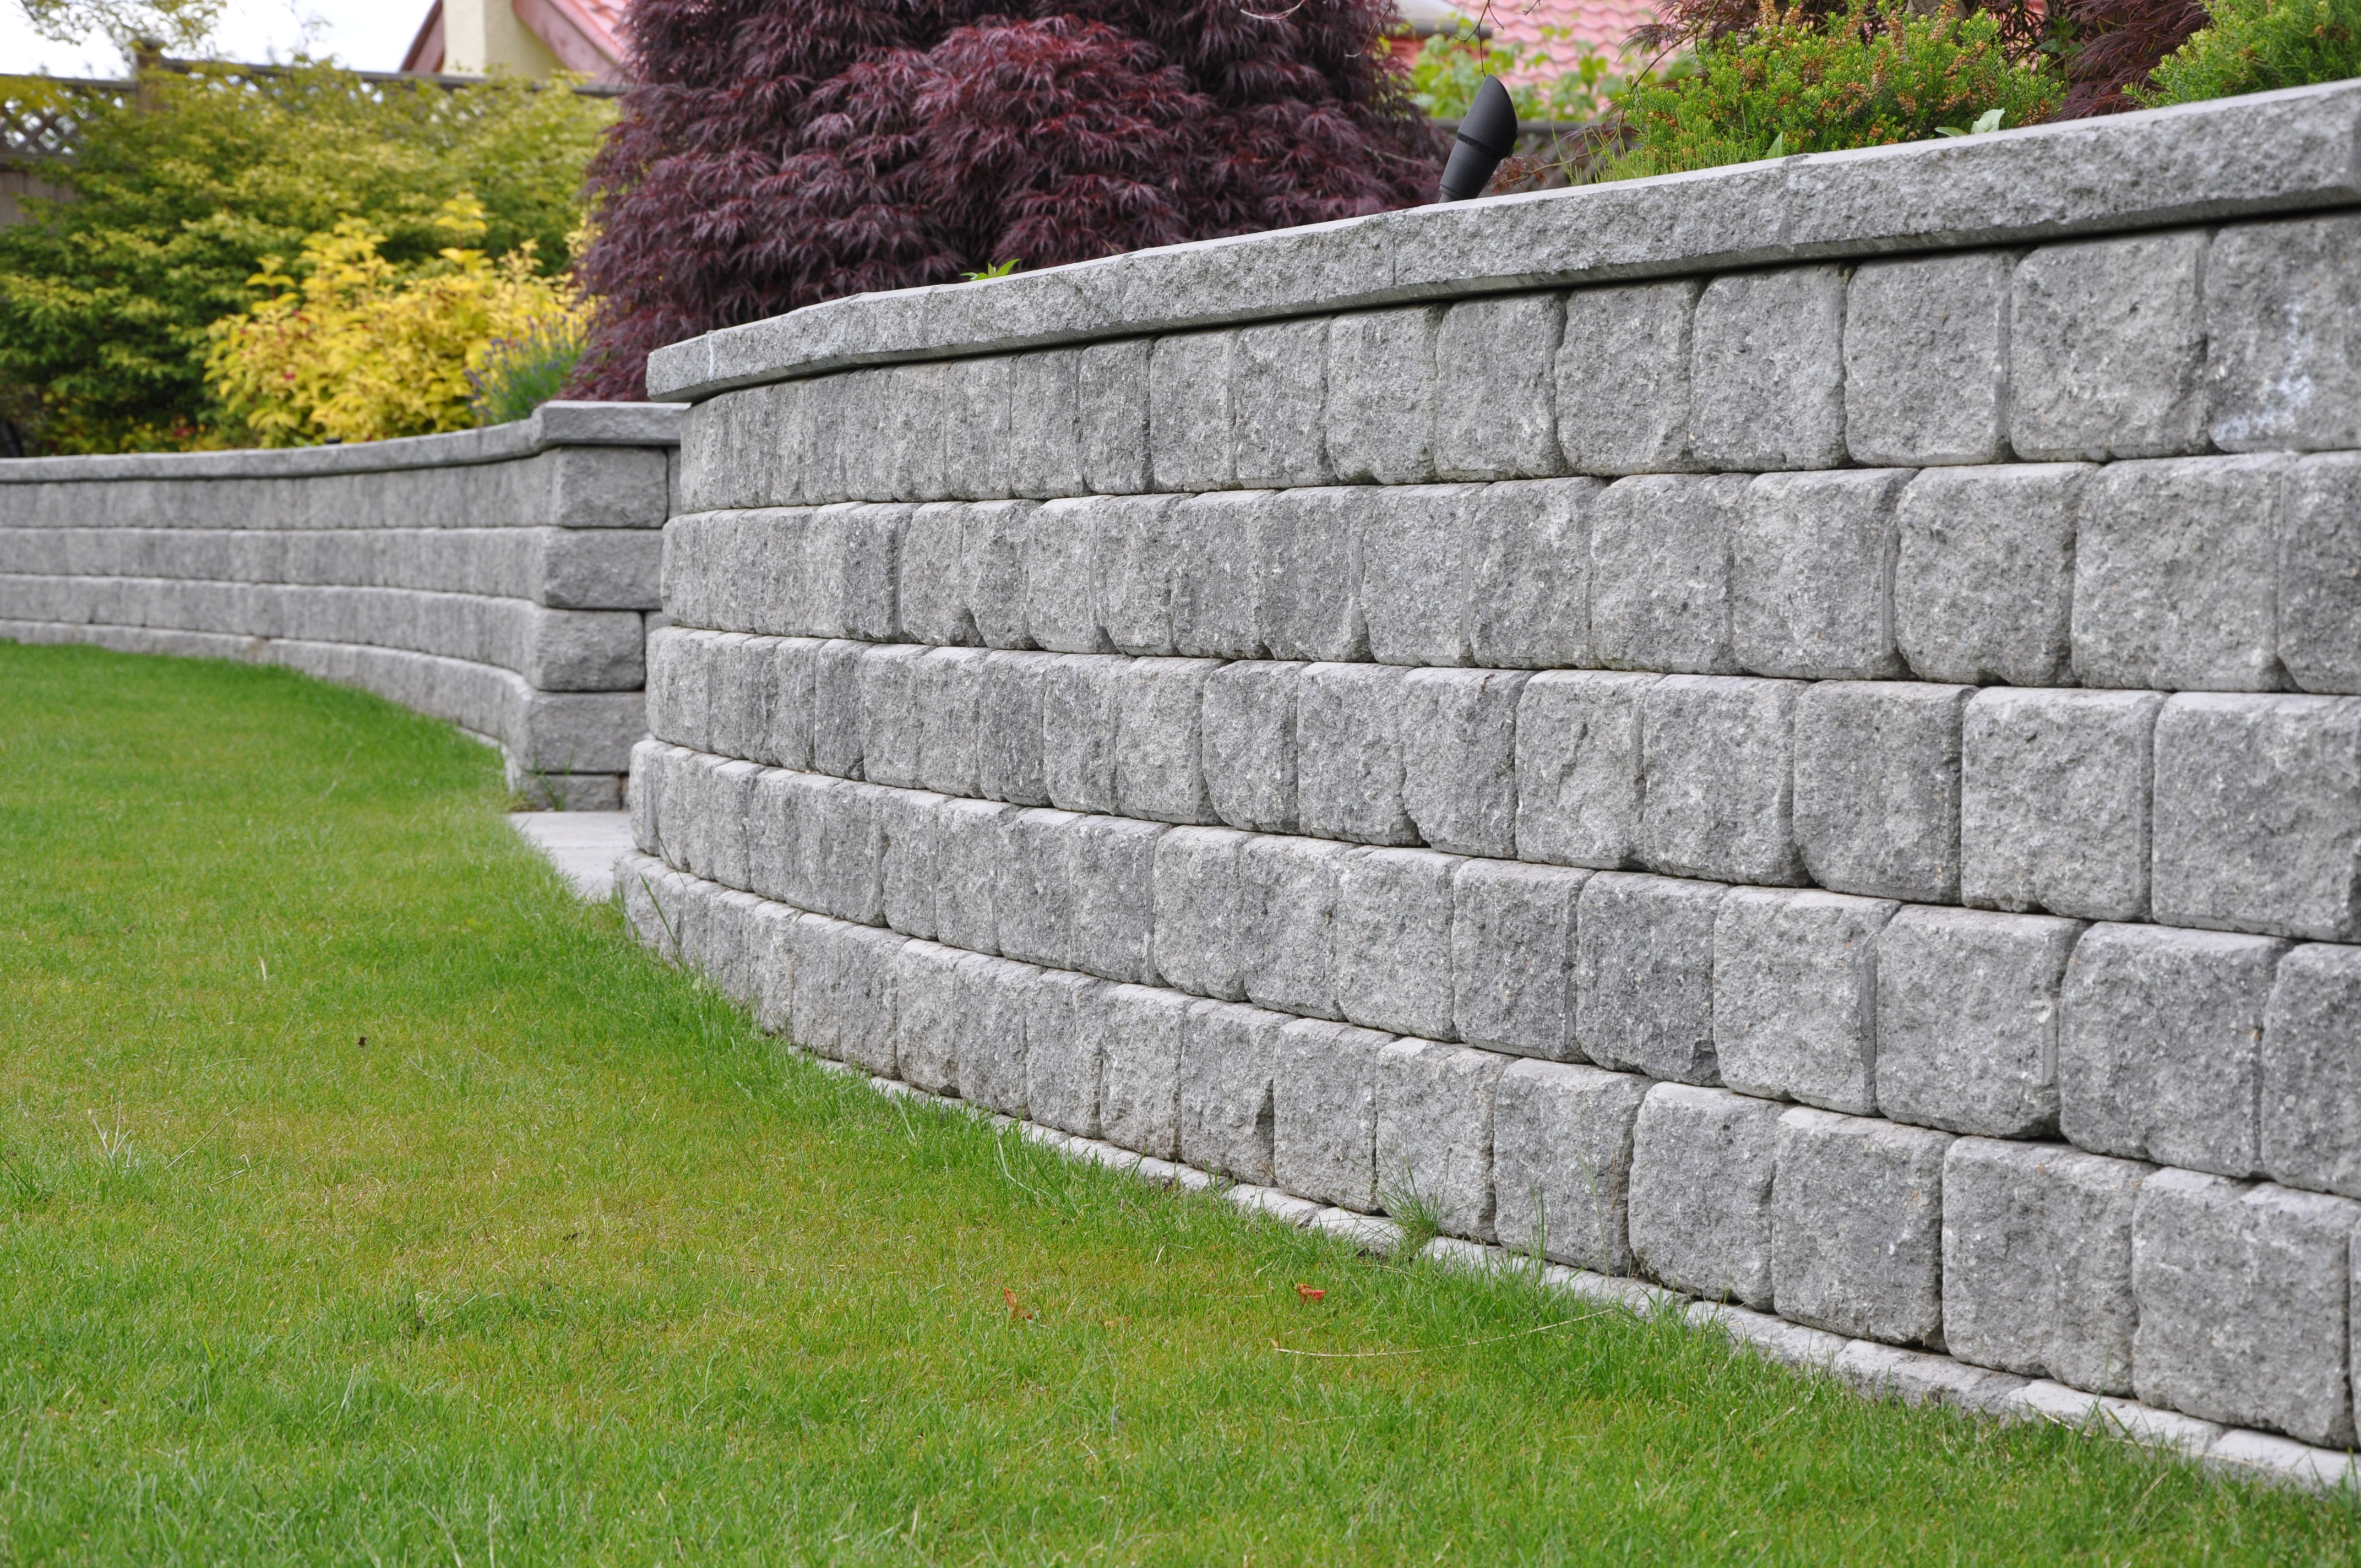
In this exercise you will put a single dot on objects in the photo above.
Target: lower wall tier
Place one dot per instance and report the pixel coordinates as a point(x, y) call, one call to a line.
point(2224, 1301)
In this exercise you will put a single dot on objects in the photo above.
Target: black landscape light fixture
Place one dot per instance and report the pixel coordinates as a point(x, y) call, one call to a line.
point(1488, 135)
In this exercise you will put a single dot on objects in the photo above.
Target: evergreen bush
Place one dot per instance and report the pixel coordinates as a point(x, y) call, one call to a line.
point(2254, 46)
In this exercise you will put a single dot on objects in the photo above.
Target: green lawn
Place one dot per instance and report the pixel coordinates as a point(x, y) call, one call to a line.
point(366, 1199)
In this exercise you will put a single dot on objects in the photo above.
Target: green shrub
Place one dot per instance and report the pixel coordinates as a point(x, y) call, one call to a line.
point(522, 373)
point(1568, 79)
point(1875, 73)
point(2253, 46)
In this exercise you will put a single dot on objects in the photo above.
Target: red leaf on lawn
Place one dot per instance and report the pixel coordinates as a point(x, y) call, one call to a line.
point(1307, 1293)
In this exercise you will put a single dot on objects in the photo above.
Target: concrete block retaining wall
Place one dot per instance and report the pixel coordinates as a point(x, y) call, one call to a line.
point(1794, 731)
point(503, 579)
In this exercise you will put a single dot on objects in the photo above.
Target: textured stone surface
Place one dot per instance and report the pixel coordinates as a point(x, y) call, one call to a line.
point(2176, 570)
point(1278, 382)
point(1562, 1141)
point(2037, 1261)
point(1494, 416)
point(1139, 1087)
point(863, 977)
point(1512, 957)
point(1115, 897)
point(1112, 395)
point(1246, 744)
point(912, 868)
point(1624, 377)
point(1857, 1224)
point(1309, 564)
point(1226, 1055)
point(972, 844)
point(1767, 370)
point(1967, 1020)
point(2054, 802)
point(2258, 814)
point(2242, 1294)
point(1794, 996)
point(1010, 761)
point(1392, 940)
point(1813, 569)
point(1926, 360)
point(1877, 787)
point(1718, 795)
point(997, 537)
point(948, 686)
point(1201, 926)
point(1081, 702)
point(2106, 346)
point(1216, 585)
point(1381, 396)
point(1348, 756)
point(1645, 975)
point(2312, 1072)
point(1433, 1133)
point(1063, 1038)
point(1702, 1161)
point(1983, 577)
point(1660, 573)
point(994, 995)
point(933, 594)
point(1189, 411)
point(2319, 574)
point(1325, 1112)
point(1156, 774)
point(893, 717)
point(1578, 767)
point(1529, 604)
point(1289, 888)
point(2160, 1045)
point(1032, 892)
point(1045, 425)
point(1420, 549)
point(2281, 346)
point(1062, 601)
point(1459, 747)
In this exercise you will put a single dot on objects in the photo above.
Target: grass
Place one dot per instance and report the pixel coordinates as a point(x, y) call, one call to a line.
point(365, 1200)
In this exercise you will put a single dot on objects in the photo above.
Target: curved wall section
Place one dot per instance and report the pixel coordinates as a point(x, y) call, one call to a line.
point(1834, 787)
point(502, 579)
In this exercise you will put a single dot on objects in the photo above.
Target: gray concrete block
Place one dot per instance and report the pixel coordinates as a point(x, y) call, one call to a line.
point(729, 803)
point(1062, 551)
point(2054, 795)
point(795, 661)
point(1983, 575)
point(994, 998)
point(2258, 814)
point(1139, 1087)
point(1289, 888)
point(1079, 707)
point(1188, 411)
point(1766, 377)
point(1136, 547)
point(778, 863)
point(926, 1021)
point(866, 587)
point(1112, 395)
point(1392, 940)
point(1624, 377)
point(1512, 957)
point(1856, 1227)
point(2319, 574)
point(1580, 768)
point(1562, 1140)
point(932, 597)
point(2160, 1045)
point(675, 687)
point(1660, 572)
point(1199, 922)
point(997, 537)
point(972, 842)
point(2241, 1293)
point(1967, 1020)
point(2037, 1261)
point(893, 717)
point(1643, 975)
point(1381, 396)
point(2107, 348)
point(1158, 775)
point(2312, 1074)
point(948, 689)
point(812, 1009)
point(865, 997)
point(1115, 898)
point(770, 959)
point(976, 428)
point(911, 444)
point(1246, 744)
point(1215, 591)
point(1325, 1112)
point(912, 870)
point(1699, 1204)
point(1926, 360)
point(1278, 382)
point(1877, 787)
point(1459, 753)
point(836, 708)
point(844, 845)
point(2281, 346)
point(2176, 576)
point(1813, 570)
point(1434, 1134)
point(1063, 1040)
point(1529, 608)
point(1009, 763)
point(1495, 414)
point(1420, 549)
point(1045, 425)
point(1226, 1056)
point(1033, 895)
point(1717, 798)
point(1794, 996)
point(1348, 757)
point(1309, 564)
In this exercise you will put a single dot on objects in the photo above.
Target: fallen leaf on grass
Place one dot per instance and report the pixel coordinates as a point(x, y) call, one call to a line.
point(1014, 1310)
point(1307, 1293)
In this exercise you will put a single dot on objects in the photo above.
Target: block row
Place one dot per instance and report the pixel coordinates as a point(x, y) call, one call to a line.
point(553, 650)
point(588, 487)
point(2232, 812)
point(2218, 574)
point(2224, 1053)
point(562, 568)
point(2223, 1299)
point(2153, 345)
